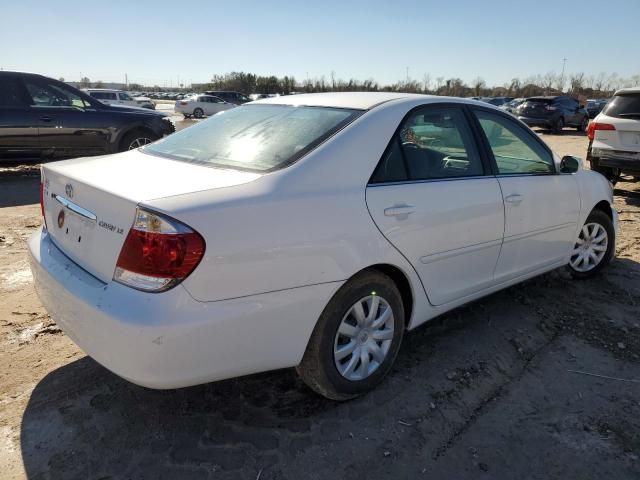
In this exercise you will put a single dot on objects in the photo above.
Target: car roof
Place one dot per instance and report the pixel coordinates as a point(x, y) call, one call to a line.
point(355, 100)
point(623, 91)
point(102, 90)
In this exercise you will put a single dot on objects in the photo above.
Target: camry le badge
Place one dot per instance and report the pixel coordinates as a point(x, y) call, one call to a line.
point(61, 219)
point(68, 189)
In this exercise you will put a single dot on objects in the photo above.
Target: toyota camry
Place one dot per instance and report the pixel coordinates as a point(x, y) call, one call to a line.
point(307, 231)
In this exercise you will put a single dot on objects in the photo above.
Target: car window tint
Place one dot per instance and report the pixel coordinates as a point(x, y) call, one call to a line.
point(49, 95)
point(11, 93)
point(625, 105)
point(391, 167)
point(124, 96)
point(513, 148)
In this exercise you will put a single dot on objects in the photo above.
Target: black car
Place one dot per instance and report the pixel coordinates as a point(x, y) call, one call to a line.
point(594, 107)
point(553, 112)
point(230, 97)
point(42, 118)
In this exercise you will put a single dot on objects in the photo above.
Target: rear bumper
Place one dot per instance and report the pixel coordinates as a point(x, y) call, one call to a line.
point(537, 122)
point(170, 340)
point(624, 160)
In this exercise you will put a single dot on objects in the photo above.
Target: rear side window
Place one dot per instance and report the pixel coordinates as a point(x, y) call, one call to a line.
point(432, 143)
point(514, 150)
point(254, 137)
point(624, 106)
point(11, 93)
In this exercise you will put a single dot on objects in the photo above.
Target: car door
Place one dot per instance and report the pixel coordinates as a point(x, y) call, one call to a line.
point(541, 205)
point(431, 196)
point(217, 105)
point(125, 99)
point(18, 123)
point(68, 124)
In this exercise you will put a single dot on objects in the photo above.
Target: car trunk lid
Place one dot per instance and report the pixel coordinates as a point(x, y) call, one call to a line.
point(90, 204)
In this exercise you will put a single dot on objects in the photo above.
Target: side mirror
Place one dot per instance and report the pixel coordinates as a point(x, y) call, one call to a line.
point(569, 164)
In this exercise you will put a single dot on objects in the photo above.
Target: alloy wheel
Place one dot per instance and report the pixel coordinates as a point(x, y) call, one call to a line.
point(363, 338)
point(139, 142)
point(590, 248)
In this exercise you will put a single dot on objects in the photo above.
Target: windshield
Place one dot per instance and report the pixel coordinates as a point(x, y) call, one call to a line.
point(627, 105)
point(254, 137)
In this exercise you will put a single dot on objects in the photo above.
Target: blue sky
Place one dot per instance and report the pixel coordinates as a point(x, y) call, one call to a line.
point(159, 42)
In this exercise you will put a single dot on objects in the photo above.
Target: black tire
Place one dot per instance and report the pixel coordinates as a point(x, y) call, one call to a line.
point(601, 218)
point(318, 368)
point(139, 137)
point(558, 126)
point(583, 125)
point(198, 113)
point(186, 116)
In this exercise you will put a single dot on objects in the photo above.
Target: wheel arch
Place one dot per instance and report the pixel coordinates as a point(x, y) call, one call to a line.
point(604, 207)
point(401, 280)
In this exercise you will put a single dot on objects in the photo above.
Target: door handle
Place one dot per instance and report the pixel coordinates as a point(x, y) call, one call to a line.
point(399, 211)
point(514, 198)
point(46, 118)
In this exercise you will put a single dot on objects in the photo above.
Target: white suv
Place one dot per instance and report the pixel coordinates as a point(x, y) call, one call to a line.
point(118, 97)
point(614, 136)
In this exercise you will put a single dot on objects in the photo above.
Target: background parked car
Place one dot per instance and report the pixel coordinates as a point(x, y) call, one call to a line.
point(118, 97)
point(553, 112)
point(614, 136)
point(497, 101)
point(511, 105)
point(201, 106)
point(43, 118)
point(231, 97)
point(594, 107)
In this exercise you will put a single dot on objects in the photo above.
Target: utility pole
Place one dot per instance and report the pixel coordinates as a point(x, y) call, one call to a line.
point(126, 81)
point(564, 63)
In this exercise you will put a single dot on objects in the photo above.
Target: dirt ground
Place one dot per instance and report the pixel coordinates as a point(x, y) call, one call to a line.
point(540, 381)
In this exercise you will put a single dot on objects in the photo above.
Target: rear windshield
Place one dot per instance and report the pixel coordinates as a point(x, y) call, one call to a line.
point(254, 137)
point(624, 106)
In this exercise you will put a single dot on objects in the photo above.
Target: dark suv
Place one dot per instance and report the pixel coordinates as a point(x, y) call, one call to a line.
point(42, 118)
point(554, 113)
point(230, 97)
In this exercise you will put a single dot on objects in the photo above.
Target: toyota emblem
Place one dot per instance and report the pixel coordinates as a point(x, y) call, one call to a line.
point(68, 189)
point(61, 219)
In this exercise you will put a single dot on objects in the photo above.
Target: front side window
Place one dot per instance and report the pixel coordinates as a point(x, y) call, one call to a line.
point(514, 150)
point(432, 143)
point(254, 137)
point(51, 95)
point(125, 96)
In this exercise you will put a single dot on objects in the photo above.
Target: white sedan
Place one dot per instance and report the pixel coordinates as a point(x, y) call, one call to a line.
point(200, 106)
point(306, 231)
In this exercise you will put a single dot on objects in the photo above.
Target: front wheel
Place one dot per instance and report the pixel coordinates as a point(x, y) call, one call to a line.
point(137, 139)
point(198, 113)
point(356, 339)
point(595, 246)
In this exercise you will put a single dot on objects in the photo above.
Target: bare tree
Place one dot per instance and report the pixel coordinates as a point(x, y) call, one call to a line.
point(439, 83)
point(426, 83)
point(600, 82)
point(548, 80)
point(478, 84)
point(576, 80)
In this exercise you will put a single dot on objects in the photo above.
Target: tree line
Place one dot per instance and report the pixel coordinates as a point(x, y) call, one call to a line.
point(578, 84)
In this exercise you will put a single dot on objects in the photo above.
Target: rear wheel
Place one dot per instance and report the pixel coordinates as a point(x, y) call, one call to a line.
point(595, 246)
point(583, 125)
point(137, 139)
point(198, 113)
point(559, 126)
point(356, 339)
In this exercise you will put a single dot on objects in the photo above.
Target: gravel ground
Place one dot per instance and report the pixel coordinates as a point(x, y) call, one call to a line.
point(539, 381)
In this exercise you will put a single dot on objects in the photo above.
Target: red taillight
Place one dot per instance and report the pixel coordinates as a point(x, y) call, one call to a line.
point(184, 103)
point(42, 198)
point(593, 126)
point(158, 253)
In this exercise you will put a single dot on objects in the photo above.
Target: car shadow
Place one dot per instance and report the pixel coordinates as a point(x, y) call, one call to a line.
point(567, 132)
point(17, 189)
